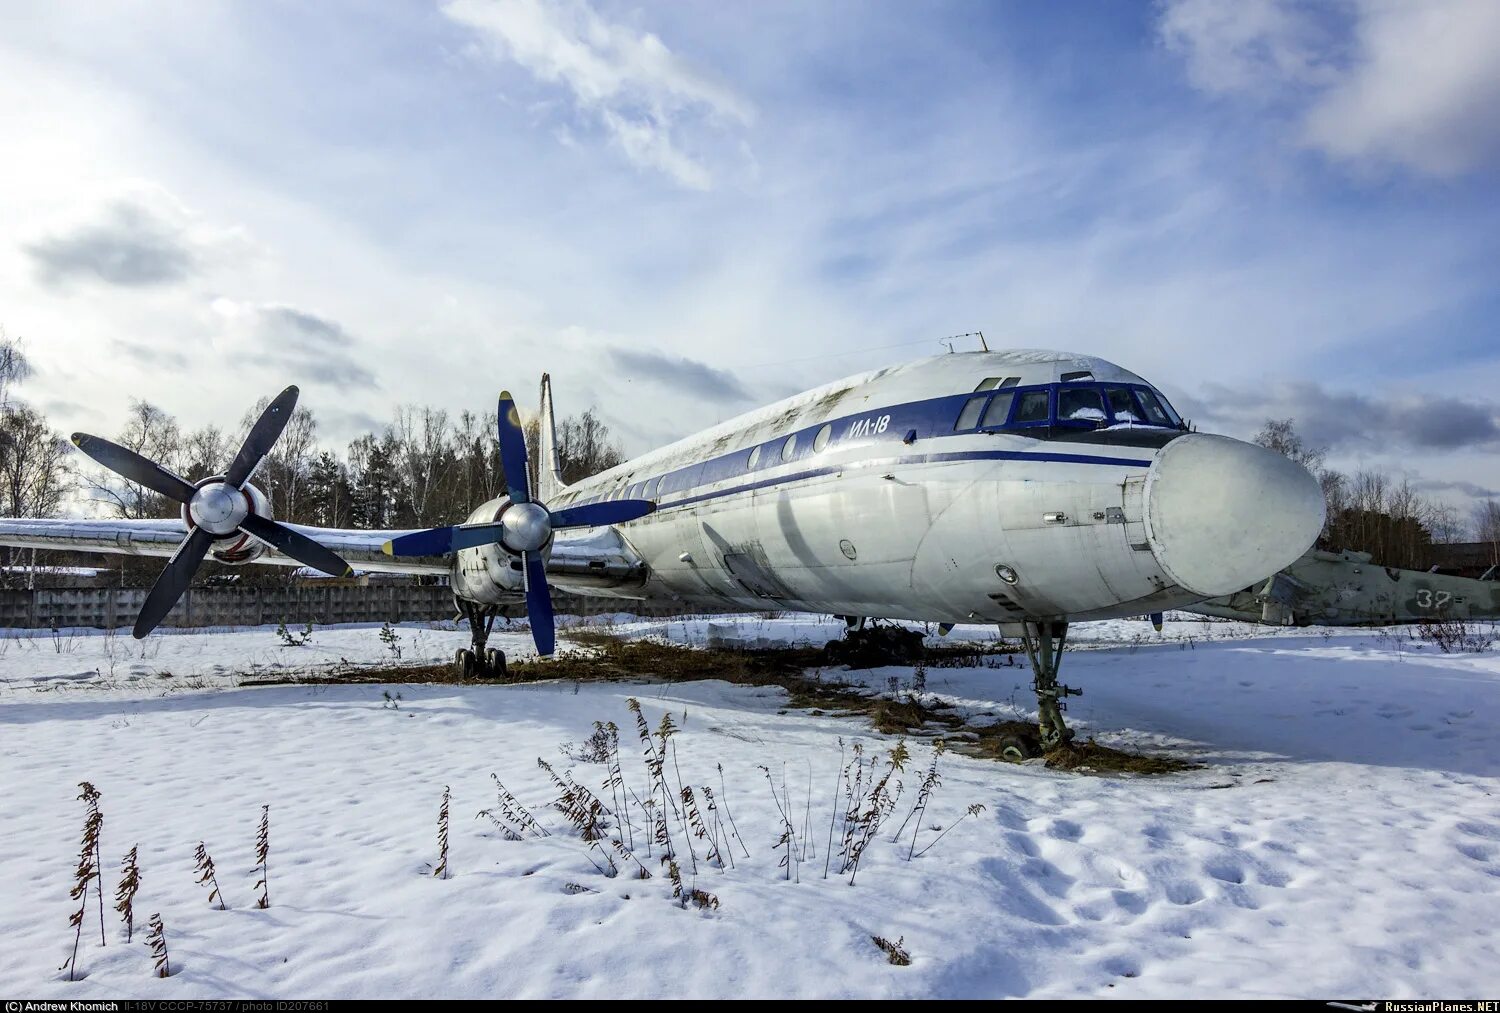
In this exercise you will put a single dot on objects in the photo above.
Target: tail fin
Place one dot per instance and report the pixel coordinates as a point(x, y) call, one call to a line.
point(549, 473)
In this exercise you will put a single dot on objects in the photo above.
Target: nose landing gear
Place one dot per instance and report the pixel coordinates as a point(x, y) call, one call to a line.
point(1044, 641)
point(479, 661)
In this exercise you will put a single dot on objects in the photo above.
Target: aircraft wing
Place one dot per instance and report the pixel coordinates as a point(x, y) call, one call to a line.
point(591, 561)
point(161, 538)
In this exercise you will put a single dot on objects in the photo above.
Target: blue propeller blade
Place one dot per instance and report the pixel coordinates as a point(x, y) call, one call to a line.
point(609, 512)
point(539, 604)
point(441, 541)
point(513, 450)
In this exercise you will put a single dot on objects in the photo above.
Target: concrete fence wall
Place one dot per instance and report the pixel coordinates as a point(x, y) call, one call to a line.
point(112, 608)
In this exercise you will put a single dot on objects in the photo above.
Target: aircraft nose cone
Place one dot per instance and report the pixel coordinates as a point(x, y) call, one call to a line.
point(1222, 514)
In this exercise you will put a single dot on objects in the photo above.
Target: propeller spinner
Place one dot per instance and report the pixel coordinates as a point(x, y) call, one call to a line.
point(524, 528)
point(216, 508)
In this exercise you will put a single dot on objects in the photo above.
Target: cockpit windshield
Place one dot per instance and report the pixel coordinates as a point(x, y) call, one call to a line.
point(1077, 405)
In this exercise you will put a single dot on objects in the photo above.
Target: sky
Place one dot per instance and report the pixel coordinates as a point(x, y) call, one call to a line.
point(685, 210)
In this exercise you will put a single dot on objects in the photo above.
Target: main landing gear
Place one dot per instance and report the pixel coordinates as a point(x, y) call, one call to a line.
point(1044, 641)
point(868, 644)
point(479, 661)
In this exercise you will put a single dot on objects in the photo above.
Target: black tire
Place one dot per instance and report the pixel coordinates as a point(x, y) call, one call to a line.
point(494, 663)
point(464, 663)
point(836, 652)
point(1018, 747)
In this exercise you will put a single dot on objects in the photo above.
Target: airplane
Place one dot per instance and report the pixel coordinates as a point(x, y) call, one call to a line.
point(1028, 489)
point(1348, 589)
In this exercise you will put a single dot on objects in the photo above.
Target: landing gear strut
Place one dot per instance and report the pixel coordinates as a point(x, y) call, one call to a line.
point(1044, 641)
point(469, 663)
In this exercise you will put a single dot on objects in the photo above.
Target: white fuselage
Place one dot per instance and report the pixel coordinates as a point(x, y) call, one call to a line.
point(893, 503)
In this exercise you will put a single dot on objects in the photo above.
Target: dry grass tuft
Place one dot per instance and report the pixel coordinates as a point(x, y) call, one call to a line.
point(441, 870)
point(263, 857)
point(87, 872)
point(156, 938)
point(1089, 757)
point(130, 883)
point(895, 953)
point(204, 865)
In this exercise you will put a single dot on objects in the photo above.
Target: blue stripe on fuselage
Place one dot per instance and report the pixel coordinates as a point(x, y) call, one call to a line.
point(927, 419)
point(973, 455)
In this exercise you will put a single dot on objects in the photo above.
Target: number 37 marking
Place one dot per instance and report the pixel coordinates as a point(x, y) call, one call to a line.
point(1429, 599)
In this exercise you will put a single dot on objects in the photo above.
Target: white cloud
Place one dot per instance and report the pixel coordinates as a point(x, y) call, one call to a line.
point(1424, 93)
point(642, 94)
point(1245, 46)
point(132, 234)
point(1411, 83)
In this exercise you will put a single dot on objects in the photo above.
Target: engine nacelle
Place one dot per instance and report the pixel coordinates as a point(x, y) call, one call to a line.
point(490, 574)
point(216, 506)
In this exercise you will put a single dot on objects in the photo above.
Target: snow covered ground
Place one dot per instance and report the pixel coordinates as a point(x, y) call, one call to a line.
point(1342, 839)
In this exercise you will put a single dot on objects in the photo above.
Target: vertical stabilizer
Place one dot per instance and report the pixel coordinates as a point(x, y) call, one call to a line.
point(549, 474)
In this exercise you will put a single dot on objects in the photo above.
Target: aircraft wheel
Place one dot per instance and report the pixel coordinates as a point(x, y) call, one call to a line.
point(835, 652)
point(494, 663)
point(464, 663)
point(1018, 746)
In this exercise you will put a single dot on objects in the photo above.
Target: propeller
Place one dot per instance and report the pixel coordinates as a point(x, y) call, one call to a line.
point(216, 508)
point(525, 527)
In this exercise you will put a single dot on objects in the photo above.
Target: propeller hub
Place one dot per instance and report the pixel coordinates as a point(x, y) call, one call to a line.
point(218, 508)
point(527, 527)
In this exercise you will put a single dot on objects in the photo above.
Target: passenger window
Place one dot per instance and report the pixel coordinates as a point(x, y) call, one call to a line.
point(1152, 408)
point(969, 417)
point(1032, 407)
point(1121, 404)
point(652, 488)
point(1080, 404)
point(988, 383)
point(998, 411)
point(821, 440)
point(789, 448)
point(754, 459)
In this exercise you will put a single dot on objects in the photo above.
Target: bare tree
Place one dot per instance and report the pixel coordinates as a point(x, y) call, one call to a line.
point(282, 475)
point(14, 368)
point(586, 447)
point(151, 433)
point(205, 452)
point(1281, 436)
point(34, 471)
point(425, 459)
point(1445, 523)
point(1487, 527)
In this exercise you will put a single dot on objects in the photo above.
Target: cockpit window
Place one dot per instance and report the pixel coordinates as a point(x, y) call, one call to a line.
point(1167, 407)
point(1081, 374)
point(1010, 381)
point(969, 417)
point(1155, 414)
point(1080, 404)
point(1122, 404)
point(998, 411)
point(988, 383)
point(1033, 407)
